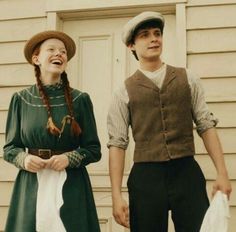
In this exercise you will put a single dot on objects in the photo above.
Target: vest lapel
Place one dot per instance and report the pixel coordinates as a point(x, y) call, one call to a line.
point(142, 80)
point(170, 76)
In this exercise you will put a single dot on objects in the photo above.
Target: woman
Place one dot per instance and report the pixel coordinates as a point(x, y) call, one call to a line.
point(51, 136)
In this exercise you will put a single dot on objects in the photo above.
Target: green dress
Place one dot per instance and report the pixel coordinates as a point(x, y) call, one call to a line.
point(26, 128)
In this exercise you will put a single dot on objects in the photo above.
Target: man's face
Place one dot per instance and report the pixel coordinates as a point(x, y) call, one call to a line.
point(148, 44)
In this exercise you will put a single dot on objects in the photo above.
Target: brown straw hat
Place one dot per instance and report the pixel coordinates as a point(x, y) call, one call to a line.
point(42, 36)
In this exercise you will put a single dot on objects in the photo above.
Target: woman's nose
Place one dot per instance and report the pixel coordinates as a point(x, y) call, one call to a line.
point(58, 52)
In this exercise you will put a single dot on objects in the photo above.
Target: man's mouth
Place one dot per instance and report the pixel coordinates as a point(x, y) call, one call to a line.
point(154, 47)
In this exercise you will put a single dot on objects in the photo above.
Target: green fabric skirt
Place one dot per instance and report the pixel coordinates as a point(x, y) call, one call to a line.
point(78, 213)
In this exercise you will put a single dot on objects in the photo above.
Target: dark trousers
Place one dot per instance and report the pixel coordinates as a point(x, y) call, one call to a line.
point(155, 188)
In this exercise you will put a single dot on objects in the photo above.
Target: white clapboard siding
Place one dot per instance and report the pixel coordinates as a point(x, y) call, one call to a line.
point(12, 52)
point(7, 171)
point(2, 141)
point(219, 89)
point(16, 75)
point(5, 192)
point(227, 137)
point(3, 118)
point(225, 113)
point(232, 220)
point(223, 65)
point(21, 29)
point(209, 16)
point(209, 169)
point(211, 40)
point(6, 94)
point(15, 9)
point(3, 213)
point(211, 53)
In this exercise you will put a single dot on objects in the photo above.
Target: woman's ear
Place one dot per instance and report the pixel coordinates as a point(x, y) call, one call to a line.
point(35, 60)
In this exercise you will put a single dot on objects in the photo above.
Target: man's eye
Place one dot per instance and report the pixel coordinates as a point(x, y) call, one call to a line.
point(144, 35)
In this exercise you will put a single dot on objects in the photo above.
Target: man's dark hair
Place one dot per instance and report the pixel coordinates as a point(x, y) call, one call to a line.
point(146, 25)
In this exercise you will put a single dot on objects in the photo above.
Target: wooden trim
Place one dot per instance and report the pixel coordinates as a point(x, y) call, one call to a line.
point(210, 52)
point(181, 34)
point(54, 22)
point(210, 4)
point(84, 5)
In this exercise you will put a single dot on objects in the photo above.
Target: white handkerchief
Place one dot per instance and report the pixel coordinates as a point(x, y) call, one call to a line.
point(216, 217)
point(49, 200)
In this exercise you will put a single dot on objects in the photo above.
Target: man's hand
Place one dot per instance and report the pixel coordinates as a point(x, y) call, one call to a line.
point(121, 211)
point(222, 183)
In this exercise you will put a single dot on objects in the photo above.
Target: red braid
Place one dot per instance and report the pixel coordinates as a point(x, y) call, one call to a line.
point(52, 128)
point(75, 127)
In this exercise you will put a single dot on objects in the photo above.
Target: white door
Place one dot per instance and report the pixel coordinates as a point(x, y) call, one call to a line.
point(101, 64)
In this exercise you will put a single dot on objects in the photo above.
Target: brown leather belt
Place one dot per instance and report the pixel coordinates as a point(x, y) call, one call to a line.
point(44, 153)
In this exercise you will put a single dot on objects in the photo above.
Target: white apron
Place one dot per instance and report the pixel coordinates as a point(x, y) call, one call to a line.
point(49, 200)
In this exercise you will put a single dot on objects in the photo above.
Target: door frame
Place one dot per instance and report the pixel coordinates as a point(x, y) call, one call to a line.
point(57, 12)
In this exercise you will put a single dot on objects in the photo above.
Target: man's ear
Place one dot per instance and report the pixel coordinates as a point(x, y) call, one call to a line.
point(35, 60)
point(131, 47)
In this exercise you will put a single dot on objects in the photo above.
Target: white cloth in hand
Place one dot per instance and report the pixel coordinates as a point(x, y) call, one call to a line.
point(217, 215)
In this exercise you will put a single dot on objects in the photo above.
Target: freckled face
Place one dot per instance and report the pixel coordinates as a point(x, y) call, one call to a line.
point(52, 57)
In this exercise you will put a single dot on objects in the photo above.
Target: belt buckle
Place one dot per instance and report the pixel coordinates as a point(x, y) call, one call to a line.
point(44, 153)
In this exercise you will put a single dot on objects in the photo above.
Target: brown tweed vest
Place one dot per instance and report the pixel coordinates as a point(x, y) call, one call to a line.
point(161, 119)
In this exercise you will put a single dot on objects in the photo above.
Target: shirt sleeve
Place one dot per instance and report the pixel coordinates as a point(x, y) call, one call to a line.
point(89, 150)
point(14, 149)
point(118, 119)
point(202, 116)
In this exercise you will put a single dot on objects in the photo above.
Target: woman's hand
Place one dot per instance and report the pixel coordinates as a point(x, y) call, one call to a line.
point(57, 162)
point(33, 163)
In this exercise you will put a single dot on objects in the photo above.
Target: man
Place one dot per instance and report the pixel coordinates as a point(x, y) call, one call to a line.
point(160, 103)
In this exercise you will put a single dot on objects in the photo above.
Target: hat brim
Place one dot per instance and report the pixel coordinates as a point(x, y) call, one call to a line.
point(32, 43)
point(137, 21)
point(158, 21)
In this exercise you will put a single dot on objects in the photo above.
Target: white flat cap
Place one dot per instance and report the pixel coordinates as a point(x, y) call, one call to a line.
point(141, 18)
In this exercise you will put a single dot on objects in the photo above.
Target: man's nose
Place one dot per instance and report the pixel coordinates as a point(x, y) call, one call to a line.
point(153, 37)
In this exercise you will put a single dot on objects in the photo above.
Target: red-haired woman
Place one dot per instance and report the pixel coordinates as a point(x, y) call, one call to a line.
point(51, 136)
